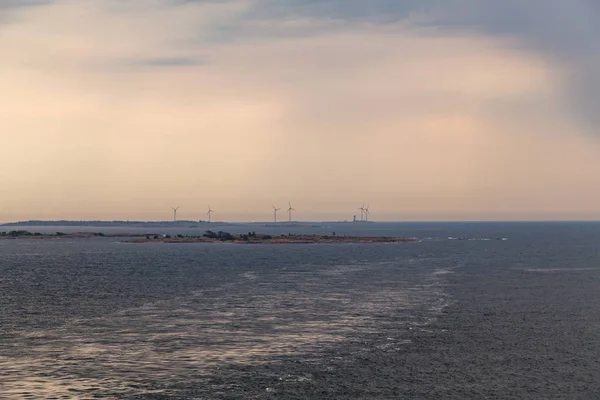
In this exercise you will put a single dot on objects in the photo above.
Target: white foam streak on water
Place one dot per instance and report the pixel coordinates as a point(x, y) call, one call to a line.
point(557, 270)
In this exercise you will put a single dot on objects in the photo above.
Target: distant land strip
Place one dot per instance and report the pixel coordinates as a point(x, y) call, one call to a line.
point(61, 235)
point(30, 223)
point(168, 224)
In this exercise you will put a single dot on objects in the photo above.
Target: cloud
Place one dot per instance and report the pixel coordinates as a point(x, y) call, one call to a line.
point(9, 9)
point(422, 111)
point(166, 62)
point(567, 33)
point(23, 3)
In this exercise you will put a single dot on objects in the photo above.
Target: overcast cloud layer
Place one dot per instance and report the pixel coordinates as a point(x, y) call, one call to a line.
point(434, 110)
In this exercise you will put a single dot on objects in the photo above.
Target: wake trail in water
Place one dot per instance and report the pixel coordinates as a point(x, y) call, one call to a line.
point(257, 318)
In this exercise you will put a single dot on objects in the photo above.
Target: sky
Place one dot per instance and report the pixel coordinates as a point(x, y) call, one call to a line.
point(424, 109)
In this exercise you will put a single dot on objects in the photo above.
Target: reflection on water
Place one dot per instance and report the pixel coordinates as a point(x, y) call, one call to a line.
point(254, 318)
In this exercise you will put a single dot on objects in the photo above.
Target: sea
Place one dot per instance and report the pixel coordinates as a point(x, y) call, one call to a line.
point(466, 311)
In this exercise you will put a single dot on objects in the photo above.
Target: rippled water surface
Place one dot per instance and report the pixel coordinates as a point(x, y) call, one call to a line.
point(439, 318)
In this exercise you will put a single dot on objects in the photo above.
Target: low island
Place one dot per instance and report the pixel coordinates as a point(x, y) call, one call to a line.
point(210, 237)
point(255, 238)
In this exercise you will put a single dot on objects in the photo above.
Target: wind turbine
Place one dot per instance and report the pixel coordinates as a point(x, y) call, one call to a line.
point(275, 214)
point(290, 211)
point(210, 211)
point(175, 213)
point(367, 214)
point(362, 212)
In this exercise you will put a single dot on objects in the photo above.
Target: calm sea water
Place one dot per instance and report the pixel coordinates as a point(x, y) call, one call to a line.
point(439, 318)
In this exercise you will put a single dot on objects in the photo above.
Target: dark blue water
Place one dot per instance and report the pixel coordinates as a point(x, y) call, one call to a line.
point(515, 318)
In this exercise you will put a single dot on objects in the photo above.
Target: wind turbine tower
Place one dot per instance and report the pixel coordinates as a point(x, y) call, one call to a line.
point(175, 213)
point(367, 214)
point(290, 212)
point(210, 211)
point(362, 212)
point(275, 214)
